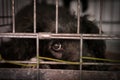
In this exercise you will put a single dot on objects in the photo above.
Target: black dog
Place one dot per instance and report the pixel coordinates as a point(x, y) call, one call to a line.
point(69, 50)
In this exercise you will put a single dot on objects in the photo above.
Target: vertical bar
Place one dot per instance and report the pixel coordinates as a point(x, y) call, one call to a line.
point(56, 17)
point(13, 15)
point(81, 52)
point(78, 17)
point(78, 31)
point(37, 38)
point(100, 23)
point(37, 53)
point(34, 17)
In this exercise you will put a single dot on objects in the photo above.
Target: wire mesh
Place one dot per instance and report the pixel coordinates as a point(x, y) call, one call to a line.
point(57, 35)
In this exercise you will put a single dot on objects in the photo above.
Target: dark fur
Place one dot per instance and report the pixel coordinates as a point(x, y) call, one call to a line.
point(25, 49)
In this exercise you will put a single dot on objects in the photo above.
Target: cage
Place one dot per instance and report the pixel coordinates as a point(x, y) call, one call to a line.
point(42, 40)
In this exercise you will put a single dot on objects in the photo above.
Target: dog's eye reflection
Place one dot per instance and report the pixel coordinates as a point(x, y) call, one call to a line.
point(57, 46)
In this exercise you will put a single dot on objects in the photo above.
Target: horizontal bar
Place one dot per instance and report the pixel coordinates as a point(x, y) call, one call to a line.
point(59, 36)
point(84, 36)
point(52, 62)
point(19, 35)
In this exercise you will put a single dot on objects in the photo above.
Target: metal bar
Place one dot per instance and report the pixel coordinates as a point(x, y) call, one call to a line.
point(59, 36)
point(37, 53)
point(103, 22)
point(13, 15)
point(56, 16)
point(37, 41)
point(19, 35)
point(34, 17)
point(85, 36)
point(78, 17)
point(81, 55)
point(59, 63)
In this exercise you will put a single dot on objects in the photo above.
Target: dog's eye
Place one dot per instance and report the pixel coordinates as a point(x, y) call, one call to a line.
point(57, 46)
